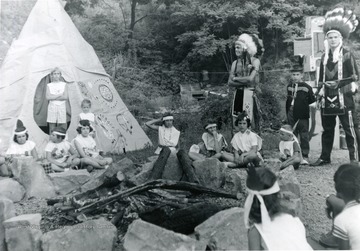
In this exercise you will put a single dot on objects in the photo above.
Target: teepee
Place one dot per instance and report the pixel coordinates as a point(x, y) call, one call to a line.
point(49, 39)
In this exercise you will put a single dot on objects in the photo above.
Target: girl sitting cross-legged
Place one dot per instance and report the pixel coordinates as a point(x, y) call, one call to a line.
point(86, 148)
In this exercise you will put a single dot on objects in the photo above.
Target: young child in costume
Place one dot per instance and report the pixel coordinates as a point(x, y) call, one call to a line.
point(212, 145)
point(86, 147)
point(246, 145)
point(21, 145)
point(59, 152)
point(299, 98)
point(290, 152)
point(346, 224)
point(87, 114)
point(269, 228)
point(56, 94)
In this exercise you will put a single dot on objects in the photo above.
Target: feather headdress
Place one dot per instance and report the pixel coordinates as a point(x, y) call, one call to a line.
point(254, 45)
point(341, 20)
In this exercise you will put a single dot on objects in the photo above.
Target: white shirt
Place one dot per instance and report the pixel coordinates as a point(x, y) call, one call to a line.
point(60, 151)
point(18, 149)
point(87, 116)
point(87, 144)
point(168, 137)
point(244, 141)
point(57, 88)
point(285, 232)
point(347, 225)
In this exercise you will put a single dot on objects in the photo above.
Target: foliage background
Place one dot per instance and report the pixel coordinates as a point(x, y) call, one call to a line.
point(150, 47)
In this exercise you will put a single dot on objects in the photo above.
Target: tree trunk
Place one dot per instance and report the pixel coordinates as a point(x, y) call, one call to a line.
point(132, 18)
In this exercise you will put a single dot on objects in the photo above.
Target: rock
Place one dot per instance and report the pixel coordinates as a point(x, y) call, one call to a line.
point(125, 165)
point(32, 176)
point(224, 231)
point(94, 235)
point(142, 235)
point(288, 181)
point(69, 181)
point(11, 189)
point(211, 172)
point(173, 170)
point(144, 175)
point(291, 203)
point(7, 211)
point(233, 181)
point(23, 232)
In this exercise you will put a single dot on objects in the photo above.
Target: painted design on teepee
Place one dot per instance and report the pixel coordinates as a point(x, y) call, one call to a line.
point(84, 90)
point(106, 126)
point(124, 123)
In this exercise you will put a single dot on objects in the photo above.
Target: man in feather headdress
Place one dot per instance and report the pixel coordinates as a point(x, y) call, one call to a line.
point(338, 71)
point(244, 75)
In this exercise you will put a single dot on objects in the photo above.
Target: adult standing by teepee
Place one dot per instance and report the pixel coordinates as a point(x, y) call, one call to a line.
point(338, 71)
point(244, 76)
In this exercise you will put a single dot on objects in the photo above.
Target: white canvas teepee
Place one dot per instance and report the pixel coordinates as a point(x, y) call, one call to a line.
point(49, 39)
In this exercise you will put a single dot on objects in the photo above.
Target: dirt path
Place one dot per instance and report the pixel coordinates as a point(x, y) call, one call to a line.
point(316, 183)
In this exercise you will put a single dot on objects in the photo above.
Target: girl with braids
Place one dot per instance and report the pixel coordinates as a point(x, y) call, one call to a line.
point(346, 224)
point(244, 76)
point(270, 228)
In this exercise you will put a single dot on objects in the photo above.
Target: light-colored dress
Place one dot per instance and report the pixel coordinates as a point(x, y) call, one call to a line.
point(285, 232)
point(60, 151)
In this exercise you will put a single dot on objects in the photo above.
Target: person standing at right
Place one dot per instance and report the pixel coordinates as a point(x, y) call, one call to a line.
point(299, 97)
point(338, 71)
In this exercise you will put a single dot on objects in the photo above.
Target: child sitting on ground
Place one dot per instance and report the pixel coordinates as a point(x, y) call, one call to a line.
point(85, 145)
point(59, 152)
point(209, 147)
point(246, 145)
point(290, 152)
point(346, 224)
point(21, 145)
point(269, 228)
point(87, 114)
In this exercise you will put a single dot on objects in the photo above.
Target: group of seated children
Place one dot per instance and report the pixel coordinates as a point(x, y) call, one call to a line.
point(246, 145)
point(82, 152)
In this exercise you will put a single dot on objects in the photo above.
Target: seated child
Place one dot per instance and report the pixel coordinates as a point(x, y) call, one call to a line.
point(85, 145)
point(209, 147)
point(346, 224)
point(21, 145)
point(246, 145)
point(290, 152)
point(270, 228)
point(59, 152)
point(87, 114)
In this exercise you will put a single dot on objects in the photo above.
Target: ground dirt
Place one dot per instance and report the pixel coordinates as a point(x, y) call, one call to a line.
point(315, 182)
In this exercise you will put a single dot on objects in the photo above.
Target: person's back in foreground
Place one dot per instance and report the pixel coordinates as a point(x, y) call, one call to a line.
point(269, 227)
point(347, 223)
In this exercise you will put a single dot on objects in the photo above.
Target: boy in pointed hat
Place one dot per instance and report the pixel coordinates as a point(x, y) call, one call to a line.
point(299, 97)
point(338, 71)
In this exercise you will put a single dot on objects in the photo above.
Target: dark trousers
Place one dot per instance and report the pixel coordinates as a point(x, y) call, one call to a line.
point(301, 131)
point(185, 163)
point(352, 136)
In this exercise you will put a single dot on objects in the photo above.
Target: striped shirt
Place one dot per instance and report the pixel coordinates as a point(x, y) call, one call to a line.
point(347, 225)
